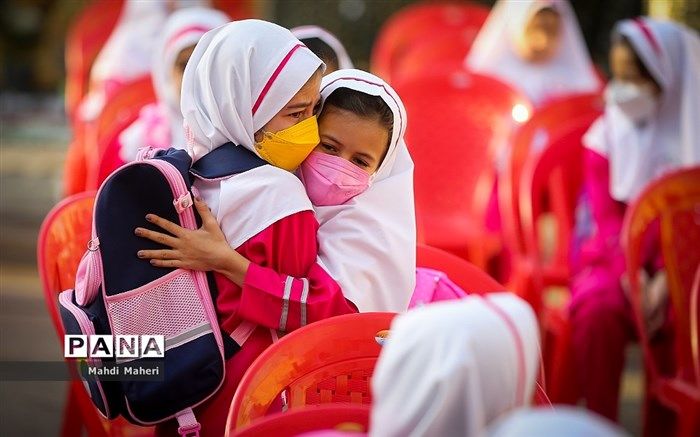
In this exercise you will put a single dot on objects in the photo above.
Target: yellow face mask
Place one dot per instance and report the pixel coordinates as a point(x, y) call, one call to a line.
point(289, 147)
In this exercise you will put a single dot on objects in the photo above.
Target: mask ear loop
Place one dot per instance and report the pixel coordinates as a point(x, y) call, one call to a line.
point(541, 389)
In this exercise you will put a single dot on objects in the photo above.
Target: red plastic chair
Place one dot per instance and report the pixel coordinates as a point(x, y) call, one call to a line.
point(463, 273)
point(118, 114)
point(558, 122)
point(349, 418)
point(414, 23)
point(236, 9)
point(62, 242)
point(695, 323)
point(85, 39)
point(674, 202)
point(550, 182)
point(444, 50)
point(457, 123)
point(329, 361)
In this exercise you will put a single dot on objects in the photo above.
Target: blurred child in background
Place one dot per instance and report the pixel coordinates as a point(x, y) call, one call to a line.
point(535, 46)
point(325, 45)
point(160, 124)
point(650, 127)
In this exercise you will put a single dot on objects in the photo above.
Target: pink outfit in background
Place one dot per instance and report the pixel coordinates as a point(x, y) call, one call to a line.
point(622, 156)
point(600, 313)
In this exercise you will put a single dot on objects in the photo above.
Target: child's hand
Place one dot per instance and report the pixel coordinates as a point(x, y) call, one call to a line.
point(203, 249)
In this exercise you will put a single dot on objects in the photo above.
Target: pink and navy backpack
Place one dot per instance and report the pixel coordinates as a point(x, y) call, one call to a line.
point(117, 293)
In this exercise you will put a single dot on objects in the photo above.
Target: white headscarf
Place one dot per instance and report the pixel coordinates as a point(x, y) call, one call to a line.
point(368, 244)
point(239, 77)
point(183, 29)
point(560, 421)
point(494, 53)
point(307, 32)
point(640, 154)
point(451, 368)
point(127, 54)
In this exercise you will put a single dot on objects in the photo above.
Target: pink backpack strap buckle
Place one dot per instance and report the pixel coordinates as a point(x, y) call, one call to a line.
point(188, 425)
point(183, 202)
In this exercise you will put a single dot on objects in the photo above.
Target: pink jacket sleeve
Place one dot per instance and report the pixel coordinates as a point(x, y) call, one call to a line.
point(284, 287)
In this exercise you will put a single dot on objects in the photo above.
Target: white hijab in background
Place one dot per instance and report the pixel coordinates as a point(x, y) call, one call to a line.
point(239, 77)
point(183, 29)
point(127, 54)
point(559, 421)
point(307, 32)
point(368, 244)
point(494, 52)
point(638, 154)
point(451, 368)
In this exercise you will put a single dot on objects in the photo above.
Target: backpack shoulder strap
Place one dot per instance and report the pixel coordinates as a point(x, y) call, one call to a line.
point(226, 160)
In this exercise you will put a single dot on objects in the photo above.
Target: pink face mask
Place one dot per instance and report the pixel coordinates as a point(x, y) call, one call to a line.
point(331, 180)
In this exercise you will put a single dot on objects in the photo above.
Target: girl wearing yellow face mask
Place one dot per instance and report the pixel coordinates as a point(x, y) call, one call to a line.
point(360, 181)
point(251, 83)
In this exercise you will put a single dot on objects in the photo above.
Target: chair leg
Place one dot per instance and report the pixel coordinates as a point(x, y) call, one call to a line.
point(72, 417)
point(658, 419)
point(92, 421)
point(563, 388)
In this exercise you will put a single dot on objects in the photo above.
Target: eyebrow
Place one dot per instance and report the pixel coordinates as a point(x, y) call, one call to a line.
point(302, 105)
point(330, 137)
point(368, 157)
point(363, 154)
point(299, 105)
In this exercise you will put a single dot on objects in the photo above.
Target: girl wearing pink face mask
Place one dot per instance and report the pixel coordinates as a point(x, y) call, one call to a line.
point(648, 129)
point(360, 181)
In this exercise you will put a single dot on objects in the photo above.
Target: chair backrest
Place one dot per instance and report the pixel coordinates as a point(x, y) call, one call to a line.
point(457, 123)
point(238, 9)
point(118, 114)
point(445, 49)
point(672, 201)
point(551, 182)
point(63, 239)
point(695, 323)
point(338, 417)
point(329, 361)
point(86, 36)
point(463, 273)
point(547, 124)
point(414, 23)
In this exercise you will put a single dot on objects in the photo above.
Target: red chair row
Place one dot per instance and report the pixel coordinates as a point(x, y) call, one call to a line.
point(673, 202)
point(85, 39)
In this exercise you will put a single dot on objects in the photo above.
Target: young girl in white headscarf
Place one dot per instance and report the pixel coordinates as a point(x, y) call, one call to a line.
point(451, 368)
point(325, 45)
point(535, 46)
point(360, 181)
point(650, 127)
point(252, 84)
point(125, 57)
point(160, 124)
point(127, 54)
